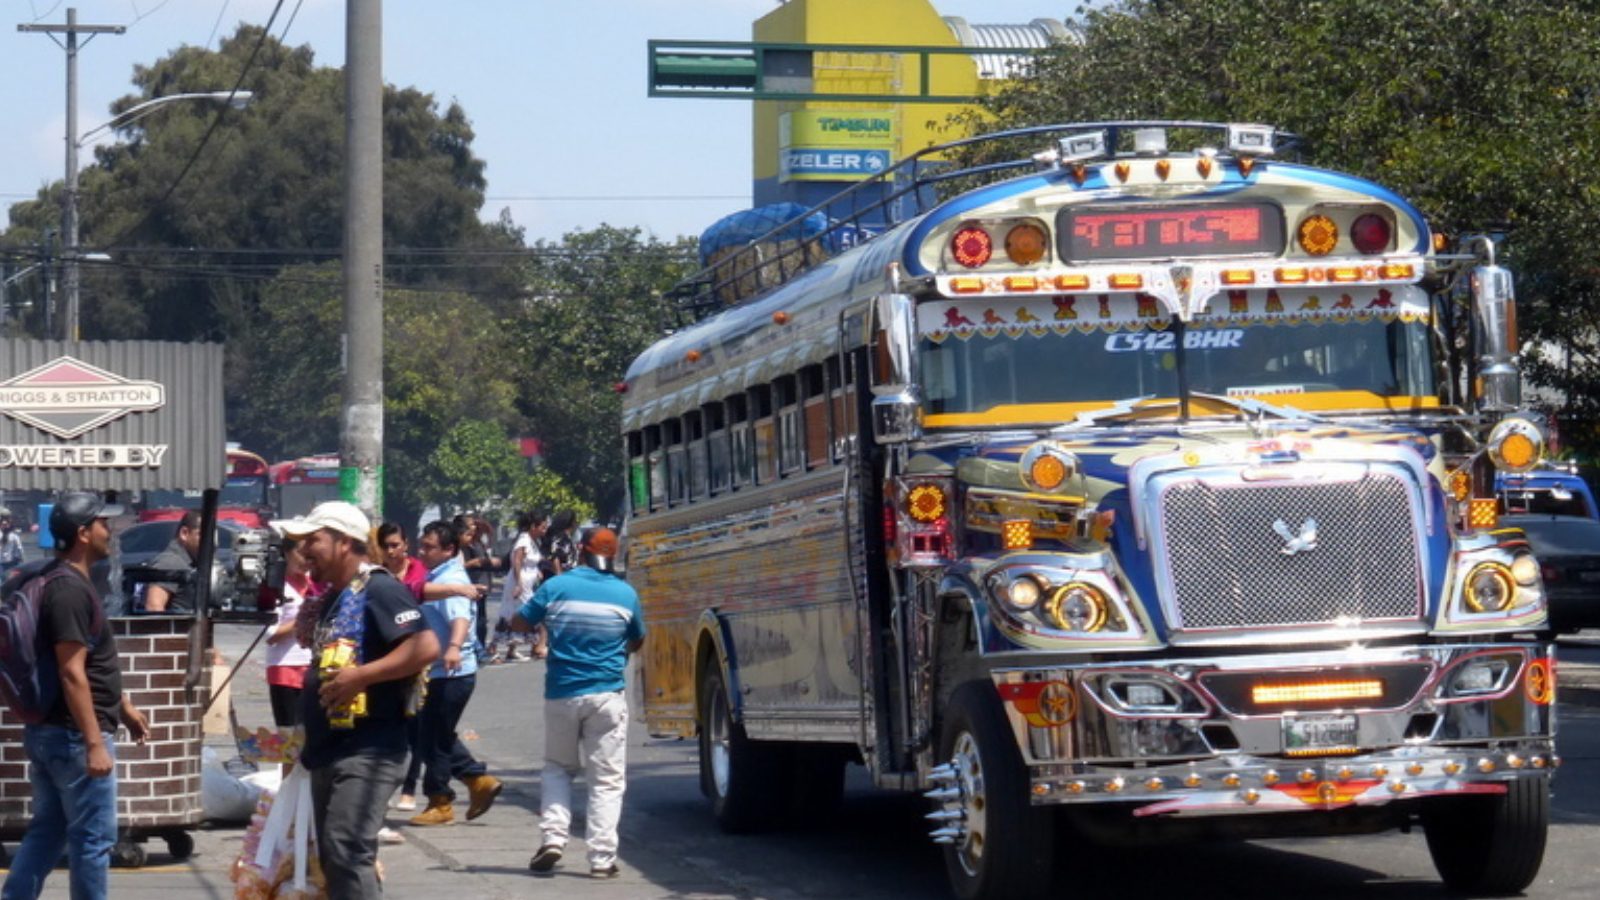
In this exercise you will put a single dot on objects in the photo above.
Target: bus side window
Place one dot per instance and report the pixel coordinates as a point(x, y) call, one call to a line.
point(791, 440)
point(694, 436)
point(766, 445)
point(814, 400)
point(656, 461)
point(677, 462)
point(638, 473)
point(717, 448)
point(838, 426)
point(744, 448)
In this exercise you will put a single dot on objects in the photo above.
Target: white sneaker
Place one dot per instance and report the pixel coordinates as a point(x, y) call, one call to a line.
point(405, 802)
point(387, 835)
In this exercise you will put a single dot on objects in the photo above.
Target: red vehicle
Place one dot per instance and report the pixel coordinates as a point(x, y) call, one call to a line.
point(303, 483)
point(244, 499)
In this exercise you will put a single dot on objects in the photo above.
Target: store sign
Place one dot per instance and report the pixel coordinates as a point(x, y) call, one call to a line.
point(808, 164)
point(837, 128)
point(67, 397)
point(110, 415)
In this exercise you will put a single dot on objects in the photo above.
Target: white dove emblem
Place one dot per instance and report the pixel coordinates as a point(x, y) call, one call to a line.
point(1294, 543)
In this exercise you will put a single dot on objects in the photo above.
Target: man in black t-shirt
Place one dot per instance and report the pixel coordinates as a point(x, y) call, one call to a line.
point(356, 760)
point(71, 754)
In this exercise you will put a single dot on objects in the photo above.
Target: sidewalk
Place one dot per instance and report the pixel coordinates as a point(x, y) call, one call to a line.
point(485, 858)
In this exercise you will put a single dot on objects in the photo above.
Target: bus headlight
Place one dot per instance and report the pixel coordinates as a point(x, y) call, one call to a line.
point(1023, 594)
point(1077, 607)
point(1490, 588)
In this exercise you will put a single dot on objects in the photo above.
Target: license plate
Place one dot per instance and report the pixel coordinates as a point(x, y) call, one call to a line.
point(1305, 734)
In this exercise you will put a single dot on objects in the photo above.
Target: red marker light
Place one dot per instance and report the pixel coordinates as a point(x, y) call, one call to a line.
point(1370, 233)
point(620, 387)
point(971, 246)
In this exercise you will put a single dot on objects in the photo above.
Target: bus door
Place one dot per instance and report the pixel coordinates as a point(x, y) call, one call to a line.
point(881, 369)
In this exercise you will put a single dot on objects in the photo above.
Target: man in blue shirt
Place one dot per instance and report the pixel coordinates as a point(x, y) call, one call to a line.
point(449, 609)
point(594, 622)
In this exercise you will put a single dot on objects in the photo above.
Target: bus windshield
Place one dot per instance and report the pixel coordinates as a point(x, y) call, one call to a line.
point(1356, 362)
point(248, 491)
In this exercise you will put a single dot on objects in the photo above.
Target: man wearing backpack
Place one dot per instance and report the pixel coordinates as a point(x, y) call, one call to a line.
point(71, 750)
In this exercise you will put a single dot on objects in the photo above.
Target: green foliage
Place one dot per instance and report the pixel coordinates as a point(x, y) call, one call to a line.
point(595, 304)
point(475, 464)
point(544, 489)
point(1486, 115)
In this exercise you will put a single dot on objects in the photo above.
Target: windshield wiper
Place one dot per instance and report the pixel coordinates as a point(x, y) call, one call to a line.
point(1133, 406)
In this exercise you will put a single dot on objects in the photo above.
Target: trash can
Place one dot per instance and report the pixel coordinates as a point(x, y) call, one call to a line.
point(158, 784)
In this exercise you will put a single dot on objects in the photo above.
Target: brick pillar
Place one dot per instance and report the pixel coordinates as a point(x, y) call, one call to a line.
point(158, 785)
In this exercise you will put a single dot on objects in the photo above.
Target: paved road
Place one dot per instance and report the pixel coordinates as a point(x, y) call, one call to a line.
point(874, 850)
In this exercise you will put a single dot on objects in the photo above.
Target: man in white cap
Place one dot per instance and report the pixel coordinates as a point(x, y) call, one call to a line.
point(357, 760)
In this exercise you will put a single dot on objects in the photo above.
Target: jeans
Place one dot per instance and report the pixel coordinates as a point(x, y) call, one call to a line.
point(588, 733)
point(71, 811)
point(348, 796)
point(442, 749)
point(414, 745)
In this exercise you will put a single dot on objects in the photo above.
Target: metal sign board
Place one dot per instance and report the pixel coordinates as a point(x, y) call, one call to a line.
point(119, 415)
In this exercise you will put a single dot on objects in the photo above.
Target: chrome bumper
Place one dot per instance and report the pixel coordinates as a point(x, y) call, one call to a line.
point(1454, 719)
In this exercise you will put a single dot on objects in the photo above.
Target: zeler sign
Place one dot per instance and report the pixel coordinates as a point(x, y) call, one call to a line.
point(110, 416)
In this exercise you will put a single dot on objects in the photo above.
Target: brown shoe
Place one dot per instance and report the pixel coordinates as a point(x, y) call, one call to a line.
point(482, 791)
point(439, 812)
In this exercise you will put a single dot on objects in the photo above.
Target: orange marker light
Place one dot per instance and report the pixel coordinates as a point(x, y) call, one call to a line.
point(1238, 276)
point(1460, 485)
point(926, 503)
point(1021, 283)
point(1072, 282)
point(1398, 270)
point(1016, 534)
point(1344, 273)
point(1048, 472)
point(1127, 281)
point(1483, 512)
point(1318, 235)
point(1026, 244)
point(967, 285)
point(1293, 275)
point(1322, 690)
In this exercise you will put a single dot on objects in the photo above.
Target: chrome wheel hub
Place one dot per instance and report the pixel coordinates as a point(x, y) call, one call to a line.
point(958, 789)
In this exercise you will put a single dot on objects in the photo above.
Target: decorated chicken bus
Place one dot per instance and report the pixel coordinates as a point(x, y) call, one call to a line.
point(1148, 493)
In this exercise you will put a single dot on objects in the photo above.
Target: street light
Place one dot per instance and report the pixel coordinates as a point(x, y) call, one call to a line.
point(69, 251)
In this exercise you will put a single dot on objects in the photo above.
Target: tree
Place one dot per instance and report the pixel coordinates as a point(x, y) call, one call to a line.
point(595, 304)
point(476, 464)
point(444, 363)
point(1486, 115)
point(544, 489)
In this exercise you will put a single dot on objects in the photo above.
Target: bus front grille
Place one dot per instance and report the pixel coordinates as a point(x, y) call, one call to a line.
point(1243, 554)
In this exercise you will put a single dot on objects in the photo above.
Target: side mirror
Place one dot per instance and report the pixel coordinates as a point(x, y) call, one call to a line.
point(896, 418)
point(1499, 384)
point(896, 403)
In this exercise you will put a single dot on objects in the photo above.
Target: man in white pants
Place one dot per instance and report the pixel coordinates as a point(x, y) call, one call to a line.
point(594, 622)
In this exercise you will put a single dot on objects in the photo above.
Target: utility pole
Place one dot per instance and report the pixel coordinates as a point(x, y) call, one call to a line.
point(361, 434)
point(69, 203)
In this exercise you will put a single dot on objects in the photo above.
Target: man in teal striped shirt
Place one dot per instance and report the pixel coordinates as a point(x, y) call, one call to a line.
point(594, 621)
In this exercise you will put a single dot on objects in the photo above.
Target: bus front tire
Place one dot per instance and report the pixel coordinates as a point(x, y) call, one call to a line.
point(1005, 849)
point(1490, 845)
point(739, 775)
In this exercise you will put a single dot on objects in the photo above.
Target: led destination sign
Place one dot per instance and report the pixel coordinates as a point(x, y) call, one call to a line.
point(1147, 232)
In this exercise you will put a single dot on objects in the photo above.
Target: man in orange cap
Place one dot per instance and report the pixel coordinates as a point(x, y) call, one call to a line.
point(594, 622)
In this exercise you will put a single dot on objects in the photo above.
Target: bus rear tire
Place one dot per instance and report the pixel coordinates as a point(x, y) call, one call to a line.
point(1492, 845)
point(1006, 847)
point(741, 777)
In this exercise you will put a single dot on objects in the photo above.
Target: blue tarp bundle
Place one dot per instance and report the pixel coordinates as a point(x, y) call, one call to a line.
point(742, 227)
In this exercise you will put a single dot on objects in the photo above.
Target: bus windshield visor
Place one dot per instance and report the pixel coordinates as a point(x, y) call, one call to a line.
point(1041, 360)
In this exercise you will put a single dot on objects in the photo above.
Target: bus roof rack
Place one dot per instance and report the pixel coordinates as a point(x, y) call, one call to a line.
point(909, 188)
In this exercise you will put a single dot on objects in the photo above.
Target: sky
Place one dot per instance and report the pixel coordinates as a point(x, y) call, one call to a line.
point(555, 90)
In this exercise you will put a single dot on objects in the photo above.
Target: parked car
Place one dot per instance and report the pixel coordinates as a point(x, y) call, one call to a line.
point(1568, 550)
point(1551, 490)
point(138, 544)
